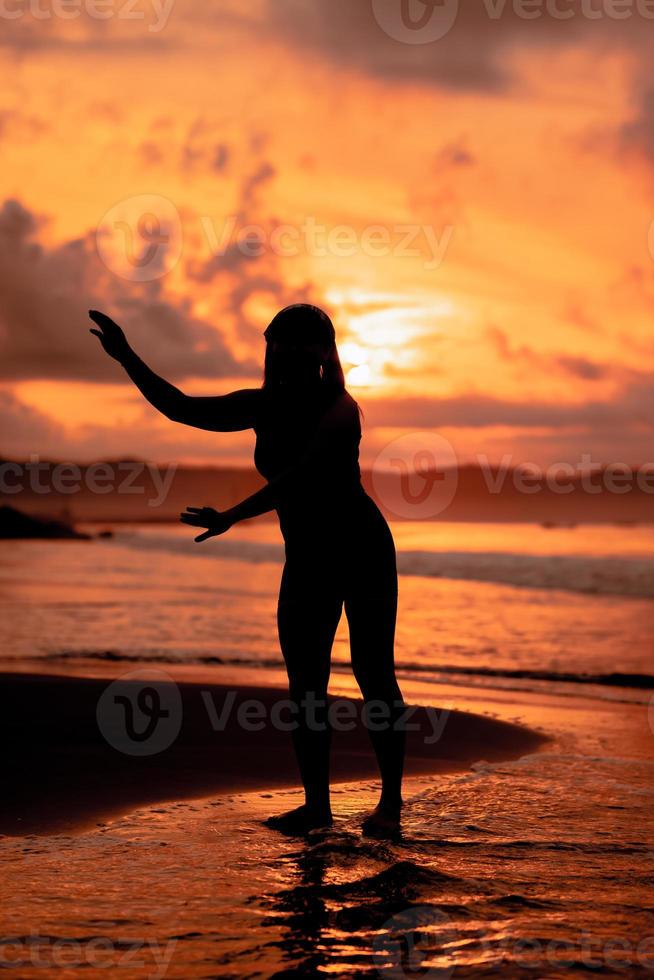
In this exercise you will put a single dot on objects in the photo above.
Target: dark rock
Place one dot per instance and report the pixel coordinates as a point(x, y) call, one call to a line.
point(15, 524)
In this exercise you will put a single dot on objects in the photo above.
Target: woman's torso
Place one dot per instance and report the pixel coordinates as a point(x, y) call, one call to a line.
point(325, 506)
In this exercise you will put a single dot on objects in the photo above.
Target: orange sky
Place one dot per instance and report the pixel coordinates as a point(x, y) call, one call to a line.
point(474, 212)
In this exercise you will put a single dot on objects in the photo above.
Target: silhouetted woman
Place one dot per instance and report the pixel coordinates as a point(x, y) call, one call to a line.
point(339, 548)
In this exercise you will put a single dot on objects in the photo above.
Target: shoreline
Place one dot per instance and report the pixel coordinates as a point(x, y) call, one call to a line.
point(66, 775)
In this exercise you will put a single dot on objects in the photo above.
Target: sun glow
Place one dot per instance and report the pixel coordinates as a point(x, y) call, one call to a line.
point(359, 376)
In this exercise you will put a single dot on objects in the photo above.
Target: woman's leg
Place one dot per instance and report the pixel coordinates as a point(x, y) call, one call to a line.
point(307, 623)
point(372, 636)
point(371, 592)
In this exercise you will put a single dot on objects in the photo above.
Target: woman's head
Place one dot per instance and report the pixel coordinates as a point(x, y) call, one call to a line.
point(301, 350)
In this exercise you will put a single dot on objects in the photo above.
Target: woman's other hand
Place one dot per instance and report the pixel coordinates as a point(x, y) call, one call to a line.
point(110, 335)
point(215, 521)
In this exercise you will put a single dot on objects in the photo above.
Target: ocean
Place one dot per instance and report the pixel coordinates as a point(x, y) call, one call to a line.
point(541, 867)
point(492, 605)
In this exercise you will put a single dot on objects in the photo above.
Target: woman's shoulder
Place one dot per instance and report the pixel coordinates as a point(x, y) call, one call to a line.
point(349, 405)
point(349, 402)
point(343, 412)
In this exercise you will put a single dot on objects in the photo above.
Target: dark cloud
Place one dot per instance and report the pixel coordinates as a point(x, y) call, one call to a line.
point(632, 409)
point(151, 153)
point(43, 319)
point(29, 35)
point(197, 149)
point(18, 126)
point(454, 155)
point(474, 54)
point(637, 134)
point(242, 262)
point(582, 368)
point(24, 426)
point(221, 155)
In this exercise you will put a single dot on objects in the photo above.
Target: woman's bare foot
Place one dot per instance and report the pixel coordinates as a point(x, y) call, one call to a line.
point(301, 820)
point(384, 821)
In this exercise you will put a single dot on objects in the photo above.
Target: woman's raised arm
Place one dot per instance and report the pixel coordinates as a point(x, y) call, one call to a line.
point(218, 413)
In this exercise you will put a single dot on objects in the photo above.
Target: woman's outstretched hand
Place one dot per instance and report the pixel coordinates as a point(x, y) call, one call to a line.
point(110, 334)
point(215, 521)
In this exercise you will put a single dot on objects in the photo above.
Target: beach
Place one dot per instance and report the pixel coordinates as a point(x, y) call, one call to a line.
point(225, 739)
point(519, 852)
point(526, 846)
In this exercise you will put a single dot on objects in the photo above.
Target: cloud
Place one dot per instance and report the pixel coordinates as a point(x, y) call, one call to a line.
point(632, 409)
point(29, 35)
point(18, 126)
point(26, 430)
point(242, 265)
point(637, 133)
point(43, 320)
point(454, 155)
point(24, 425)
point(198, 149)
point(582, 368)
point(475, 53)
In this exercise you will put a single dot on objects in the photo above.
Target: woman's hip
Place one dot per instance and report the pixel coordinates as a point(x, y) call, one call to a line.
point(358, 561)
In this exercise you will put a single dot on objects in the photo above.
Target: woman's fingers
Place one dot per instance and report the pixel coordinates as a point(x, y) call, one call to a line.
point(101, 319)
point(204, 517)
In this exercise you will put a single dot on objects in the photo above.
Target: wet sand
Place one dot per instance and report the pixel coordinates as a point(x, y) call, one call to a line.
point(517, 856)
point(66, 769)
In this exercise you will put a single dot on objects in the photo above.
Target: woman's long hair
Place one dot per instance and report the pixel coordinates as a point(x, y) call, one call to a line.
point(304, 324)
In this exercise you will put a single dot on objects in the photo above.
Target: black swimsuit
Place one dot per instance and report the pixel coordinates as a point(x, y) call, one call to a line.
point(337, 541)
